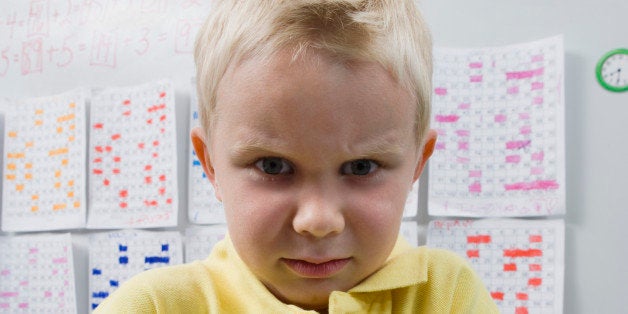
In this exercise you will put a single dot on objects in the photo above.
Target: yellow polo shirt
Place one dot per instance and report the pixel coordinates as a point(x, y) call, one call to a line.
point(413, 280)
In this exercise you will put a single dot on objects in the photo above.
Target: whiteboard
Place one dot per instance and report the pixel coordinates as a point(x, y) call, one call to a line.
point(51, 46)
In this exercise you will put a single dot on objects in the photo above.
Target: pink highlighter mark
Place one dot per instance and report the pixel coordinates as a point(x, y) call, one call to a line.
point(440, 91)
point(462, 133)
point(475, 188)
point(447, 118)
point(537, 171)
point(500, 118)
point(513, 159)
point(464, 106)
point(475, 65)
point(537, 85)
point(475, 78)
point(513, 90)
point(538, 156)
point(440, 146)
point(520, 75)
point(534, 185)
point(475, 173)
point(518, 144)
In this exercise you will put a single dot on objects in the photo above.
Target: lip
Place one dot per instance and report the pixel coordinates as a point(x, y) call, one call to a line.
point(316, 270)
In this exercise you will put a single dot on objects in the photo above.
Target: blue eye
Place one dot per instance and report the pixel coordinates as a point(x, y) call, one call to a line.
point(274, 166)
point(360, 167)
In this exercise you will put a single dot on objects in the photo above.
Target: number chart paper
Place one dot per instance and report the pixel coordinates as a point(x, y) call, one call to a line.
point(115, 257)
point(520, 261)
point(133, 158)
point(203, 207)
point(44, 162)
point(199, 241)
point(499, 114)
point(37, 274)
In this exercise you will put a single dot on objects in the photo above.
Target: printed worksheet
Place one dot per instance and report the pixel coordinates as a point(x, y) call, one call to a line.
point(203, 207)
point(133, 158)
point(499, 114)
point(44, 161)
point(199, 241)
point(37, 274)
point(520, 261)
point(115, 257)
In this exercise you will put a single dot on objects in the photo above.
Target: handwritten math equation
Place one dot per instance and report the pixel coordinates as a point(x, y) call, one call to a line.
point(39, 35)
point(133, 157)
point(37, 274)
point(117, 256)
point(44, 158)
point(521, 262)
point(499, 114)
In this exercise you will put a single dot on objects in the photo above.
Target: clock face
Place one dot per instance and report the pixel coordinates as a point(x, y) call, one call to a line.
point(612, 70)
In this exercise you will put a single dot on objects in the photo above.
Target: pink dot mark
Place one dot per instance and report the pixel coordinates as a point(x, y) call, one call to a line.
point(440, 91)
point(463, 160)
point(463, 145)
point(537, 85)
point(537, 100)
point(519, 75)
point(513, 159)
point(464, 106)
point(24, 283)
point(462, 132)
point(5, 272)
point(475, 173)
point(513, 90)
point(518, 144)
point(61, 260)
point(524, 130)
point(440, 146)
point(23, 305)
point(475, 188)
point(500, 118)
point(524, 116)
point(447, 118)
point(4, 305)
point(537, 58)
point(538, 156)
point(475, 78)
point(33, 250)
point(7, 294)
point(475, 65)
point(537, 170)
point(47, 294)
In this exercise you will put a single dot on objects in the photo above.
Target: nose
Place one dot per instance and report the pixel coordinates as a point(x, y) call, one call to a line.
point(319, 212)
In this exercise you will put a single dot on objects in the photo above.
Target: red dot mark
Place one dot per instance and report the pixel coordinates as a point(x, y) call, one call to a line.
point(535, 282)
point(162, 177)
point(479, 239)
point(108, 149)
point(97, 171)
point(162, 118)
point(98, 149)
point(150, 203)
point(169, 201)
point(162, 191)
point(117, 159)
point(156, 143)
point(97, 160)
point(536, 238)
point(162, 95)
point(510, 267)
point(116, 171)
point(473, 253)
point(149, 121)
point(127, 113)
point(105, 182)
point(140, 145)
point(148, 180)
point(522, 296)
point(126, 102)
point(124, 193)
point(155, 155)
point(521, 310)
point(123, 205)
point(497, 296)
point(148, 167)
point(535, 267)
point(523, 253)
point(98, 125)
point(115, 137)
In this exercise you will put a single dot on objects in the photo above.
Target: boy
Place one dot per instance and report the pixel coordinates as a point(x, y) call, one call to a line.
point(315, 124)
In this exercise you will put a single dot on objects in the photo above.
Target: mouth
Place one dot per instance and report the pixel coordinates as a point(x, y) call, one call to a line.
point(320, 270)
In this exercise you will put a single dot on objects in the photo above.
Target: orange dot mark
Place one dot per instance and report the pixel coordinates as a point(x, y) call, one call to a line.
point(34, 197)
point(28, 176)
point(29, 144)
point(59, 206)
point(19, 187)
point(10, 177)
point(59, 151)
point(66, 117)
point(12, 134)
point(57, 173)
point(77, 204)
point(64, 162)
point(71, 138)
point(71, 194)
point(72, 105)
point(28, 165)
point(71, 183)
point(34, 208)
point(16, 155)
point(39, 122)
point(57, 185)
point(72, 127)
point(59, 129)
point(11, 166)
point(39, 111)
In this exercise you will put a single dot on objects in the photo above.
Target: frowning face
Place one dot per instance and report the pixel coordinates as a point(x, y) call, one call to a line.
point(313, 161)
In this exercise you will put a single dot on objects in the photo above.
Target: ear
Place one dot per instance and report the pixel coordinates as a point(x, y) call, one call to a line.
point(202, 152)
point(428, 149)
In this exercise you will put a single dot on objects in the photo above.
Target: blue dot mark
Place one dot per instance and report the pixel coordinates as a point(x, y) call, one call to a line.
point(164, 247)
point(94, 306)
point(123, 259)
point(123, 248)
point(114, 283)
point(196, 163)
point(195, 115)
point(156, 259)
point(96, 271)
point(100, 294)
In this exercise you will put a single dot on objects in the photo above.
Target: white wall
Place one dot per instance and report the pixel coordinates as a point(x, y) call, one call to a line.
point(596, 171)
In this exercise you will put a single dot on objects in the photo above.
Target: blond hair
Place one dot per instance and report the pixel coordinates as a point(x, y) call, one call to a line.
point(390, 32)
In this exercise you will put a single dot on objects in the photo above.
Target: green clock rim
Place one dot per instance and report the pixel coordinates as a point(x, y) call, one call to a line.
point(598, 70)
